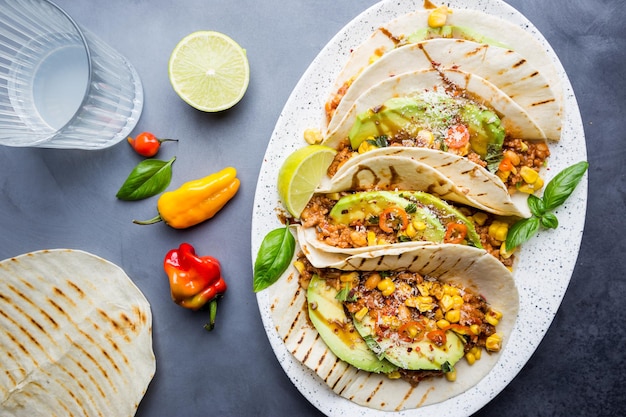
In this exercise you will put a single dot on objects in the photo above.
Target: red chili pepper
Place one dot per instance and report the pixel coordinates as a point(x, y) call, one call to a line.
point(457, 136)
point(398, 212)
point(505, 165)
point(411, 331)
point(194, 280)
point(146, 144)
point(455, 233)
point(438, 337)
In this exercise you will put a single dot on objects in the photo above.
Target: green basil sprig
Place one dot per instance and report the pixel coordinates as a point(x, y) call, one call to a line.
point(273, 258)
point(555, 194)
point(148, 178)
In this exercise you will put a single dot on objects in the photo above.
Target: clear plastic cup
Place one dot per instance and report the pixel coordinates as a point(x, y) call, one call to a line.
point(61, 86)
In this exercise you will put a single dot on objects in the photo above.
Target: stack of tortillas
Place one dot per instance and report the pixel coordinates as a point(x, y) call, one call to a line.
point(75, 337)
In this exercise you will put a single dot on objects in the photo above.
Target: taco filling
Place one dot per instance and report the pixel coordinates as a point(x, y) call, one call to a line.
point(449, 123)
point(399, 323)
point(380, 218)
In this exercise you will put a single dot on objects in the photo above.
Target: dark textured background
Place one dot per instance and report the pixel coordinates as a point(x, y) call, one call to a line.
point(52, 198)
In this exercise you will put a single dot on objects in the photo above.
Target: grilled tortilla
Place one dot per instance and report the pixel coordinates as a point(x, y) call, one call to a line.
point(75, 337)
point(472, 41)
point(470, 267)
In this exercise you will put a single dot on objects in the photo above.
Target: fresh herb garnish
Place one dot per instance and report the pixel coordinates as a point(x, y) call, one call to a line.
point(274, 255)
point(344, 294)
point(379, 141)
point(411, 208)
point(374, 347)
point(148, 178)
point(446, 367)
point(554, 195)
point(494, 156)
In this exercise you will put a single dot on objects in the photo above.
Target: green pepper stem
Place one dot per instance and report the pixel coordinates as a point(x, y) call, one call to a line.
point(212, 313)
point(153, 220)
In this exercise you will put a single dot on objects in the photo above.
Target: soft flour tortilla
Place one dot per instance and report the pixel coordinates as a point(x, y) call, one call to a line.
point(75, 337)
point(449, 176)
point(471, 267)
point(515, 120)
point(527, 75)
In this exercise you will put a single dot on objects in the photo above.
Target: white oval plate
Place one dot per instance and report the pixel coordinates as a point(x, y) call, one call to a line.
point(545, 263)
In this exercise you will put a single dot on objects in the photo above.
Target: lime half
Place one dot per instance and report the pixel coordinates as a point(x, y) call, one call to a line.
point(300, 175)
point(209, 71)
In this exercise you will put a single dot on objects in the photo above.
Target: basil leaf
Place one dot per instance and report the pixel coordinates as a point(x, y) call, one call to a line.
point(521, 231)
point(549, 221)
point(148, 178)
point(536, 205)
point(274, 256)
point(563, 185)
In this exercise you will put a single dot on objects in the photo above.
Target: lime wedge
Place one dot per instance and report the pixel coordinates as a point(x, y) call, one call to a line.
point(300, 175)
point(209, 71)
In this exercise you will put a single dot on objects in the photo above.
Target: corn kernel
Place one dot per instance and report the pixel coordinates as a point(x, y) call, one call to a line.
point(531, 188)
point(450, 290)
point(451, 376)
point(453, 316)
point(470, 358)
point(498, 230)
point(529, 175)
point(513, 157)
point(394, 375)
point(361, 313)
point(371, 238)
point(438, 314)
point(492, 319)
point(480, 218)
point(419, 225)
point(312, 136)
point(475, 328)
point(386, 286)
point(505, 254)
point(391, 321)
point(299, 265)
point(423, 289)
point(457, 301)
point(503, 175)
point(410, 231)
point(349, 276)
point(438, 17)
point(493, 343)
point(366, 145)
point(442, 324)
point(477, 352)
point(446, 302)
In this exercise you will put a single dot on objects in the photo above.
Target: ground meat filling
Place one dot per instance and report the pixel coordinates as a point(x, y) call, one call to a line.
point(356, 235)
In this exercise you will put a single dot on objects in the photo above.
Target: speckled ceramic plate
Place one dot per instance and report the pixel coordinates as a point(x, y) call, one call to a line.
point(545, 263)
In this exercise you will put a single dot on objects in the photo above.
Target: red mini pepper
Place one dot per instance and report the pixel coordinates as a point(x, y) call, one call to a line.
point(194, 280)
point(146, 144)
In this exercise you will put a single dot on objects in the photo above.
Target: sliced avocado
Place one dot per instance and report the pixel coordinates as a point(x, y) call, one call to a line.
point(485, 128)
point(448, 211)
point(421, 355)
point(360, 206)
point(363, 205)
point(401, 114)
point(452, 32)
point(434, 111)
point(330, 320)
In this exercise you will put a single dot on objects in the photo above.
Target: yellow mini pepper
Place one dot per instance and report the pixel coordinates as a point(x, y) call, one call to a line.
point(197, 200)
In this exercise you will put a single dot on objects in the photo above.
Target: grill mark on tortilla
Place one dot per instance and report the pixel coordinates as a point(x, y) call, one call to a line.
point(21, 346)
point(61, 294)
point(82, 387)
point(102, 350)
point(115, 325)
point(76, 288)
point(60, 310)
point(93, 360)
point(519, 63)
point(374, 391)
point(405, 399)
point(27, 333)
point(425, 396)
point(292, 327)
point(332, 369)
point(539, 103)
point(90, 376)
point(29, 301)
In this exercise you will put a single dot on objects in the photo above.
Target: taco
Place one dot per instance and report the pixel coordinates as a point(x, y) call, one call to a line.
point(430, 332)
point(473, 135)
point(472, 41)
point(360, 222)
